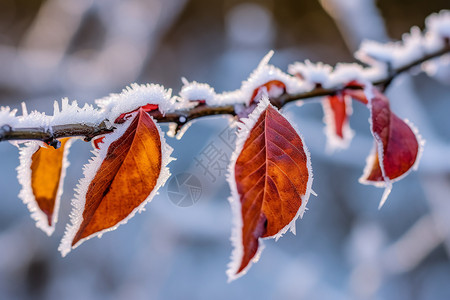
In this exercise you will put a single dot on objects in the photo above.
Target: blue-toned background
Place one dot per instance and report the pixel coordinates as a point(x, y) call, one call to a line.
point(345, 248)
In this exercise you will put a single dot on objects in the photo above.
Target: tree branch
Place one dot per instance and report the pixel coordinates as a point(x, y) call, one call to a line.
point(52, 134)
point(89, 131)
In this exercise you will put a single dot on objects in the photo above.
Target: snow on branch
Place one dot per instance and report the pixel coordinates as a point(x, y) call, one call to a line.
point(427, 49)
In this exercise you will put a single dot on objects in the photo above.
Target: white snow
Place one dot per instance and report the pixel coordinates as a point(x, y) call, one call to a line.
point(26, 193)
point(438, 68)
point(71, 113)
point(34, 119)
point(413, 45)
point(235, 97)
point(398, 53)
point(340, 75)
point(439, 23)
point(89, 172)
point(244, 129)
point(135, 96)
point(385, 53)
point(193, 91)
point(68, 113)
point(343, 73)
point(265, 73)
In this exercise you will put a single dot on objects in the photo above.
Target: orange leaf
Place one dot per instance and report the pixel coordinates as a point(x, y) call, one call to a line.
point(125, 174)
point(41, 173)
point(270, 181)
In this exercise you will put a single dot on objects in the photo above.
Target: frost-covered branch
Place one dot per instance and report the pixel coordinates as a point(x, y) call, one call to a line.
point(52, 134)
point(382, 63)
point(384, 82)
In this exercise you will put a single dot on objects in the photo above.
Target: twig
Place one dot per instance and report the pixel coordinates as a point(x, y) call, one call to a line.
point(89, 131)
point(51, 135)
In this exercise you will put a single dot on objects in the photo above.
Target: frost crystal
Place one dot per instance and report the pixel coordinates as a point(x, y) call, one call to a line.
point(7, 116)
point(344, 73)
point(71, 113)
point(68, 113)
point(194, 91)
point(413, 45)
point(396, 54)
point(231, 98)
point(265, 73)
point(439, 23)
point(135, 96)
point(316, 73)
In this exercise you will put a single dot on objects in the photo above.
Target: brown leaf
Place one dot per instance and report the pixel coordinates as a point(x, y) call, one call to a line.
point(125, 175)
point(41, 174)
point(271, 182)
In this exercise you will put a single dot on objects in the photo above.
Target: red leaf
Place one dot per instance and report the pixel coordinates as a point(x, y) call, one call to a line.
point(41, 174)
point(125, 116)
point(97, 141)
point(122, 178)
point(275, 88)
point(270, 180)
point(337, 109)
point(355, 90)
point(397, 146)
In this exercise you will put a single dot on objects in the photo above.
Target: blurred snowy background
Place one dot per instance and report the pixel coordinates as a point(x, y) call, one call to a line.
point(344, 249)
